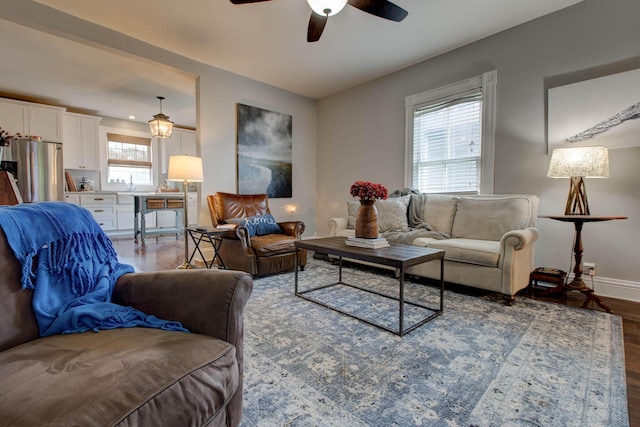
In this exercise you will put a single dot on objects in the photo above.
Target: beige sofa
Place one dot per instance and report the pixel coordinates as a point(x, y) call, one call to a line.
point(488, 240)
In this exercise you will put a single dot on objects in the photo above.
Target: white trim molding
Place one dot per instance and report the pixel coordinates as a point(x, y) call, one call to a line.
point(614, 288)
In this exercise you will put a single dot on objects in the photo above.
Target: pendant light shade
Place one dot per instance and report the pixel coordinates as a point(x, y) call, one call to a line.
point(161, 126)
point(327, 7)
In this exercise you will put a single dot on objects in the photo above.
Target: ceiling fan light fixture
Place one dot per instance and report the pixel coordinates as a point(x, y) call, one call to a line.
point(161, 126)
point(327, 7)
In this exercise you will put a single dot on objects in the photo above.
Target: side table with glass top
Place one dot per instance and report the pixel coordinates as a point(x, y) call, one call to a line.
point(213, 236)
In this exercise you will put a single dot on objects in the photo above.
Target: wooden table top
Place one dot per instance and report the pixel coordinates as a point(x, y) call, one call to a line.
point(395, 255)
point(582, 218)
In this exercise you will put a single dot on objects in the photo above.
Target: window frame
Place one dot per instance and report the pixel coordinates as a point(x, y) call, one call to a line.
point(104, 156)
point(486, 84)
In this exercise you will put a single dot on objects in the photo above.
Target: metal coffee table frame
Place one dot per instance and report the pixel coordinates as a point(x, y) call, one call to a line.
point(397, 256)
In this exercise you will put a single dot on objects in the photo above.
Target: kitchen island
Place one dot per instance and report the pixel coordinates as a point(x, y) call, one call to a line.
point(145, 203)
point(116, 212)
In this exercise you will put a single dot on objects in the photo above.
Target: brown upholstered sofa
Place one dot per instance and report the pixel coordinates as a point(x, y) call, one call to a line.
point(259, 255)
point(130, 376)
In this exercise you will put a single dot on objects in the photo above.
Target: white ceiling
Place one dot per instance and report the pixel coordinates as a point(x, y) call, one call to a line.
point(263, 41)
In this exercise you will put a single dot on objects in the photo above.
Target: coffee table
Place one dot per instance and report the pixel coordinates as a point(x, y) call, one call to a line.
point(396, 255)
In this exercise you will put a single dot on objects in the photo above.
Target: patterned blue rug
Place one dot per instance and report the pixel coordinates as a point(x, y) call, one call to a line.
point(481, 363)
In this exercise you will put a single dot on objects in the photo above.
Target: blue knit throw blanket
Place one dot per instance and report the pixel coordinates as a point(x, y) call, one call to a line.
point(75, 272)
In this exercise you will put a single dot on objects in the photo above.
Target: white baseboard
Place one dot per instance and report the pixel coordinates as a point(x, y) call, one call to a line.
point(612, 288)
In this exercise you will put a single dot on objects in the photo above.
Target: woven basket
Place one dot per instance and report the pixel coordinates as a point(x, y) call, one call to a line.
point(155, 203)
point(175, 204)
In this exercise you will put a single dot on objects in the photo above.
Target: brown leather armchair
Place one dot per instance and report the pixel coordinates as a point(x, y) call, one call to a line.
point(258, 255)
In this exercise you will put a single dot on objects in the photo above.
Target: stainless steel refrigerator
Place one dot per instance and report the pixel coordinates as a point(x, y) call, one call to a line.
point(37, 167)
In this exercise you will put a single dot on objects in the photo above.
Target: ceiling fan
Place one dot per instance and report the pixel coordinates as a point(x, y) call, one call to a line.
point(323, 9)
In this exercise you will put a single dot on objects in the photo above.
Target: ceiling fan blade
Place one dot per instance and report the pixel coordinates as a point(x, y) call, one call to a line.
point(247, 1)
point(382, 8)
point(316, 26)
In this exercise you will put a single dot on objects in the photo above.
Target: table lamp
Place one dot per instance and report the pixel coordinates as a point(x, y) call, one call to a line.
point(185, 169)
point(577, 163)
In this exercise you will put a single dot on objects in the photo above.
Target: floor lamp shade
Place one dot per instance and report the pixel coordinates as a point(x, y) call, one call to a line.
point(577, 163)
point(186, 169)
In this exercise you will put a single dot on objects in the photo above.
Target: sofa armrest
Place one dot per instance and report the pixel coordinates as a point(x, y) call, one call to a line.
point(292, 228)
point(209, 302)
point(517, 252)
point(337, 224)
point(519, 239)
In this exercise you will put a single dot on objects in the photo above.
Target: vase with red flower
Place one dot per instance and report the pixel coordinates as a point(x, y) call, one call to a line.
point(367, 215)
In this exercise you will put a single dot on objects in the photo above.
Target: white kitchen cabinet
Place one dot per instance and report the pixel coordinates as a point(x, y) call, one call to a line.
point(192, 208)
point(80, 142)
point(101, 205)
point(182, 142)
point(168, 219)
point(72, 198)
point(125, 218)
point(31, 119)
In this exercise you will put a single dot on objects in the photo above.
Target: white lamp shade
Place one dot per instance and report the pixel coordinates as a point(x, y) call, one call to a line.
point(588, 162)
point(185, 168)
point(322, 6)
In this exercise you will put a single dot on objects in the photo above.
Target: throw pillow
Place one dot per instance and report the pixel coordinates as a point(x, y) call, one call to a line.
point(392, 213)
point(258, 225)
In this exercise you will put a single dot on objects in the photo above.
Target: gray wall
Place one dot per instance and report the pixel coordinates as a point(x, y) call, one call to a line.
point(361, 131)
point(217, 94)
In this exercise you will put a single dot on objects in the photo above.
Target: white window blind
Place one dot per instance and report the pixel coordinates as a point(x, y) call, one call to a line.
point(447, 141)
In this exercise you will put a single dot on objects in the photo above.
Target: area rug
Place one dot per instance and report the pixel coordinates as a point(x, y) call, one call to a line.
point(480, 363)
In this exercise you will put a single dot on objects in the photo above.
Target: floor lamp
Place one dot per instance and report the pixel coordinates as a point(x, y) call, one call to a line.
point(185, 169)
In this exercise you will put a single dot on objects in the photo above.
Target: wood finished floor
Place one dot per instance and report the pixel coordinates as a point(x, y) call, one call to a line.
point(166, 253)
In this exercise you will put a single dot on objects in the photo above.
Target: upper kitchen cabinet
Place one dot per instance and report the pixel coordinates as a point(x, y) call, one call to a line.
point(32, 119)
point(182, 142)
point(80, 143)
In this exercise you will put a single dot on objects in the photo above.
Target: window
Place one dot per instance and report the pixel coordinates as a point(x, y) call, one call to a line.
point(129, 159)
point(450, 137)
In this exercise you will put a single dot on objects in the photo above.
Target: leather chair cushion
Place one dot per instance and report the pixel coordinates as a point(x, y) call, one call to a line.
point(273, 244)
point(133, 376)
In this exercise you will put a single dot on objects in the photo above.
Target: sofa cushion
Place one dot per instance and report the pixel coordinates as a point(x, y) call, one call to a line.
point(392, 213)
point(134, 376)
point(490, 219)
point(438, 211)
point(273, 244)
point(469, 251)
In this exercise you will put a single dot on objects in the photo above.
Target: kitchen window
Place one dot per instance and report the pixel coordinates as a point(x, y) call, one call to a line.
point(129, 159)
point(450, 137)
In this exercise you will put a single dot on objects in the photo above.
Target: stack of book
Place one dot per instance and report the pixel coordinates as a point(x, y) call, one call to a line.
point(380, 242)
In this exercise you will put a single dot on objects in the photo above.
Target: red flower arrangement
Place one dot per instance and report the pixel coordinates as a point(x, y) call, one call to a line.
point(6, 137)
point(365, 190)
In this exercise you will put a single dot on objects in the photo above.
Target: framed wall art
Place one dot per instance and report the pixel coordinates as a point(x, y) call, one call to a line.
point(599, 111)
point(264, 152)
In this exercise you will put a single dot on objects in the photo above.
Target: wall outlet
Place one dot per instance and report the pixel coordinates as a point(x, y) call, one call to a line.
point(589, 268)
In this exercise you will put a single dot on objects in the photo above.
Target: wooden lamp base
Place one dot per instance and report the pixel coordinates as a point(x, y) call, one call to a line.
point(577, 203)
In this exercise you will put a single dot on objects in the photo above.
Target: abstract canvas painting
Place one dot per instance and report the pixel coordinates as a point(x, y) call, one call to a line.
point(264, 152)
point(600, 111)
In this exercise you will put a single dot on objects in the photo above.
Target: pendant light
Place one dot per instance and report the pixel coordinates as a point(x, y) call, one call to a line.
point(161, 126)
